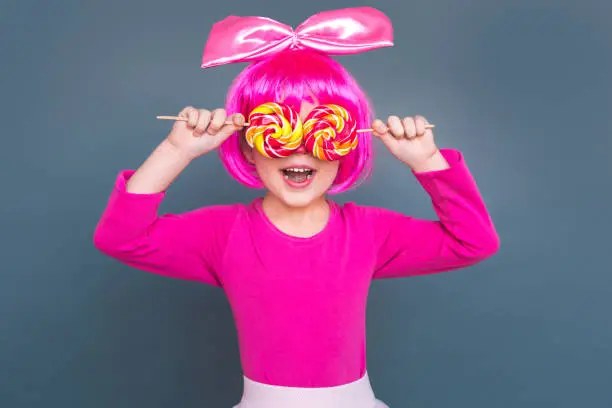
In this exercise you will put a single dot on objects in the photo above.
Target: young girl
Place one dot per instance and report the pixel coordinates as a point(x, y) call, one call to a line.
point(296, 266)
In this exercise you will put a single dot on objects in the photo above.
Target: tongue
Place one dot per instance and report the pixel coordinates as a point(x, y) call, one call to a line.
point(297, 177)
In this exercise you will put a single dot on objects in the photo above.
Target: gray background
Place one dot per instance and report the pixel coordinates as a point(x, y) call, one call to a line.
point(522, 88)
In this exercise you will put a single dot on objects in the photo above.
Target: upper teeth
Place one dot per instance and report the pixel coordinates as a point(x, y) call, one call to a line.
point(298, 170)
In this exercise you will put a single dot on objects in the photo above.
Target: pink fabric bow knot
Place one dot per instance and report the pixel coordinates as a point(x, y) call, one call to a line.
point(335, 32)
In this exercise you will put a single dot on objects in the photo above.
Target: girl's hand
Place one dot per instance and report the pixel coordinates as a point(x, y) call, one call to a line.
point(203, 131)
point(410, 142)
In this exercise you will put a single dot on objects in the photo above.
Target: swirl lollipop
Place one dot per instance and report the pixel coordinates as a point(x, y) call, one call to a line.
point(275, 130)
point(330, 132)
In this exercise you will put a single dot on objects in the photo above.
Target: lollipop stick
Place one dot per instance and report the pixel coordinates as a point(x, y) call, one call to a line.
point(172, 118)
point(370, 130)
point(247, 123)
point(185, 119)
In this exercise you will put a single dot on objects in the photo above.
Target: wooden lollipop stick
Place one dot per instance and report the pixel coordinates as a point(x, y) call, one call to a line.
point(247, 123)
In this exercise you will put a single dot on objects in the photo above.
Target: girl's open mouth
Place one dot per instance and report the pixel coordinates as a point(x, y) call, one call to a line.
point(298, 176)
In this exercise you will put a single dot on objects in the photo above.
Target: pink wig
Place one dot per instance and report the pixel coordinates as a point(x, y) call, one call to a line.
point(291, 77)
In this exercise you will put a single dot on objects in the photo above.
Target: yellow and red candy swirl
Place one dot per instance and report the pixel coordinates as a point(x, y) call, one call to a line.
point(330, 132)
point(275, 130)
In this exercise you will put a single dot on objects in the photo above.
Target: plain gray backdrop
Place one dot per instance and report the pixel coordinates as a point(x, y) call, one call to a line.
point(521, 87)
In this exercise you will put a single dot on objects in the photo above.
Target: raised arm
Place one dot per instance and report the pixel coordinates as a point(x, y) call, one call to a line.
point(188, 246)
point(462, 236)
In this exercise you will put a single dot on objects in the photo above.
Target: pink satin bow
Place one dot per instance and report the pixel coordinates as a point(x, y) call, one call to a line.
point(335, 32)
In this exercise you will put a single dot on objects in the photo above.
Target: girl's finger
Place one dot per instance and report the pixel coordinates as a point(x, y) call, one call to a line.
point(238, 120)
point(236, 123)
point(202, 122)
point(395, 127)
point(185, 112)
point(410, 129)
point(381, 131)
point(217, 121)
point(379, 128)
point(193, 116)
point(420, 123)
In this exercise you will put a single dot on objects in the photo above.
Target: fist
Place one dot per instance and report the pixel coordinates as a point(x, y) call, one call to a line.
point(202, 130)
point(408, 140)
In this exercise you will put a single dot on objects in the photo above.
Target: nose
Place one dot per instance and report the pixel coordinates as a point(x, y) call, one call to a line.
point(301, 149)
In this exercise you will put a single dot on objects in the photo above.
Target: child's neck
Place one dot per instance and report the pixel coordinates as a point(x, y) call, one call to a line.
point(301, 222)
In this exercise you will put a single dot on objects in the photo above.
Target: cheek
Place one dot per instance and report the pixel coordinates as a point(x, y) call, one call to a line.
point(328, 171)
point(264, 165)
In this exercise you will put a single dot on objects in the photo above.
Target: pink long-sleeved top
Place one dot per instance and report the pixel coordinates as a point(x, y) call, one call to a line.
point(300, 303)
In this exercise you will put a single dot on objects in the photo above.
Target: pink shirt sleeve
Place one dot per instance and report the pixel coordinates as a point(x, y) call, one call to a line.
point(464, 234)
point(186, 246)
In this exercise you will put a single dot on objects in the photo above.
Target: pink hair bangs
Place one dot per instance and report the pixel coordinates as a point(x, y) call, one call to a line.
point(292, 77)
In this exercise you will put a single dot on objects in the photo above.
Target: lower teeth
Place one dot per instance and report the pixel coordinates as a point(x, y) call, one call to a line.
point(297, 177)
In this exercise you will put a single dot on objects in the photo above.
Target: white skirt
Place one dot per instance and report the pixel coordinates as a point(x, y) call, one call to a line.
point(357, 394)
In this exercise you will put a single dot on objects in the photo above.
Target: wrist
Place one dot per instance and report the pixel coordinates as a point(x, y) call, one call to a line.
point(434, 162)
point(174, 153)
point(159, 170)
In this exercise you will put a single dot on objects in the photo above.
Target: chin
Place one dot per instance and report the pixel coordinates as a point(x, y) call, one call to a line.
point(298, 200)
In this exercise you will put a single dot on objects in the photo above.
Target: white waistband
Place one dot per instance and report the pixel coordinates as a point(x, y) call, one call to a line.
point(357, 394)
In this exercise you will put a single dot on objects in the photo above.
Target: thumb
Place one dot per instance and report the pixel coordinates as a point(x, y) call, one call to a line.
point(235, 124)
point(381, 131)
